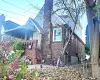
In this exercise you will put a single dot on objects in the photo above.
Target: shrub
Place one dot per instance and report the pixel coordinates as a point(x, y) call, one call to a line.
point(18, 46)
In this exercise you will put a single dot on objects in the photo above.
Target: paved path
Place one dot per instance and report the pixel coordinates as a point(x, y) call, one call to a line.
point(39, 66)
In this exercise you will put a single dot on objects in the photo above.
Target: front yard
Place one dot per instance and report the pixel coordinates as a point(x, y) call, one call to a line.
point(15, 69)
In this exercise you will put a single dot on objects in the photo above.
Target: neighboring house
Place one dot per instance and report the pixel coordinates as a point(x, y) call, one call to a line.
point(62, 27)
point(24, 32)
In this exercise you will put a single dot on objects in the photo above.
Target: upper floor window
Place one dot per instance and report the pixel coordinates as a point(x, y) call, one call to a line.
point(57, 34)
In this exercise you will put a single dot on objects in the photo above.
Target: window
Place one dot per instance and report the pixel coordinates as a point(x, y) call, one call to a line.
point(57, 34)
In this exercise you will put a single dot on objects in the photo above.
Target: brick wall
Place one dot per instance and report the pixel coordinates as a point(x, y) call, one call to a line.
point(31, 50)
point(74, 47)
point(57, 48)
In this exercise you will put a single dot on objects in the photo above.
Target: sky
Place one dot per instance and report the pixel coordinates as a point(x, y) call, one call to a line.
point(19, 11)
point(83, 21)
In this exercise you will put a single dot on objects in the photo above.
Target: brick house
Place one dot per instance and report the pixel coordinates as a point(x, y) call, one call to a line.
point(62, 27)
point(60, 36)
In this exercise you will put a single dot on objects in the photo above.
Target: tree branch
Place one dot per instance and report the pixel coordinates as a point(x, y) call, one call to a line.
point(64, 8)
point(68, 11)
point(75, 22)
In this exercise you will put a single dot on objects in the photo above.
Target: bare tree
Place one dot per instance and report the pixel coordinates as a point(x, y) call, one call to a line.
point(74, 9)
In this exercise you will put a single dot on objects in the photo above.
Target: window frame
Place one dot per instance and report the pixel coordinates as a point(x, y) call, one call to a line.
point(54, 34)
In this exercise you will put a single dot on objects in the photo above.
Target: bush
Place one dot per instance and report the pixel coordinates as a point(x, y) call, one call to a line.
point(87, 49)
point(18, 46)
point(3, 68)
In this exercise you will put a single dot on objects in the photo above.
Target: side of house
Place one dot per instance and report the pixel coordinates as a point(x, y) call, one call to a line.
point(62, 26)
point(36, 36)
point(60, 36)
point(26, 35)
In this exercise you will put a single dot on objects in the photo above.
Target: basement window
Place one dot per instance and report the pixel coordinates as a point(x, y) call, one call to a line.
point(57, 34)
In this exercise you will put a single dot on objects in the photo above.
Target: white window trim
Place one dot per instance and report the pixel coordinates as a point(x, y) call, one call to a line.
point(53, 34)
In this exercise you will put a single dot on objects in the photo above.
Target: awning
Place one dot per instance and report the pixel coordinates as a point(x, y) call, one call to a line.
point(16, 30)
point(19, 32)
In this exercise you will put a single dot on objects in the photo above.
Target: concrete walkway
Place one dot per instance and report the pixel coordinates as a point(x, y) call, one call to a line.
point(39, 66)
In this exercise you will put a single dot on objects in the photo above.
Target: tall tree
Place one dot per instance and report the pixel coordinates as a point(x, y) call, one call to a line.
point(93, 28)
point(74, 10)
point(48, 25)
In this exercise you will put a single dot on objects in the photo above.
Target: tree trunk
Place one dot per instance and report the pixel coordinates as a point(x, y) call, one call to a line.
point(47, 25)
point(95, 52)
point(93, 38)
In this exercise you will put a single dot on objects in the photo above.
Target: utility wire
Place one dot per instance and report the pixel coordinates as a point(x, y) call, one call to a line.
point(17, 6)
point(13, 17)
point(33, 5)
point(13, 13)
point(14, 5)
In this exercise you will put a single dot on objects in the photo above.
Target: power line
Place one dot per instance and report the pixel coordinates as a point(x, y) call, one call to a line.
point(14, 5)
point(13, 13)
point(13, 17)
point(17, 6)
point(33, 5)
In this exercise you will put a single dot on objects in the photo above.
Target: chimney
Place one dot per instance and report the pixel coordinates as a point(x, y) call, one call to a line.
point(2, 19)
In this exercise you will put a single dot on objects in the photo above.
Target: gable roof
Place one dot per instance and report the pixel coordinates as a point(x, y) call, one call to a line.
point(10, 25)
point(61, 20)
point(15, 30)
point(37, 23)
point(19, 31)
point(54, 18)
point(34, 25)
